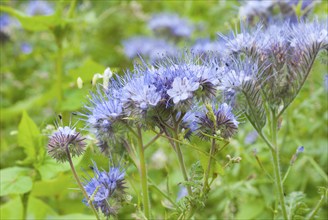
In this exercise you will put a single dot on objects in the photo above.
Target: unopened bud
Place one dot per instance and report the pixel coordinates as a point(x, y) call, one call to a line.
point(107, 75)
point(95, 78)
point(236, 160)
point(79, 82)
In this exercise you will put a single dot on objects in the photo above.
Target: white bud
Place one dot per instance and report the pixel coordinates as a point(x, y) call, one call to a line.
point(95, 78)
point(107, 75)
point(79, 82)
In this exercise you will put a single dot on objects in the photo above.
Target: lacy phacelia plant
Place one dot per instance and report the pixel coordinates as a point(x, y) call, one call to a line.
point(65, 141)
point(106, 190)
point(268, 69)
point(165, 99)
point(285, 54)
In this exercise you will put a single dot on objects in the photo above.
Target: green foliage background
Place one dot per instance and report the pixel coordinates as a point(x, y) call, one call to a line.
point(91, 40)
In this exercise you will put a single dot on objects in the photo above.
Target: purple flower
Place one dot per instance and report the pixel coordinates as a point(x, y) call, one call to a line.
point(39, 7)
point(151, 48)
point(26, 48)
point(205, 46)
point(170, 24)
point(182, 89)
point(63, 140)
point(219, 121)
point(103, 115)
point(5, 21)
point(139, 94)
point(106, 190)
point(251, 137)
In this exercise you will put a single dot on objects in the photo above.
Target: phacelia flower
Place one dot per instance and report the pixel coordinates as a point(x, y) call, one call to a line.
point(219, 121)
point(5, 20)
point(104, 113)
point(148, 47)
point(106, 190)
point(205, 46)
point(140, 94)
point(39, 7)
point(26, 48)
point(170, 24)
point(251, 137)
point(182, 89)
point(63, 141)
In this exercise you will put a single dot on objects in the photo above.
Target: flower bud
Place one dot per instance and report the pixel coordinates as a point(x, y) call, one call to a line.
point(63, 141)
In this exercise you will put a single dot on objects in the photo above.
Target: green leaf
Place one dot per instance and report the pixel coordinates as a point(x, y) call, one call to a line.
point(29, 137)
point(12, 209)
point(87, 70)
point(34, 23)
point(76, 216)
point(59, 186)
point(15, 180)
point(49, 168)
point(250, 209)
point(37, 209)
point(74, 99)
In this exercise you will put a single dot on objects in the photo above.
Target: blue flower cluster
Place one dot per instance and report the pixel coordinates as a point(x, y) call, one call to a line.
point(206, 46)
point(273, 61)
point(168, 29)
point(170, 24)
point(106, 190)
point(39, 7)
point(152, 48)
point(265, 10)
point(154, 95)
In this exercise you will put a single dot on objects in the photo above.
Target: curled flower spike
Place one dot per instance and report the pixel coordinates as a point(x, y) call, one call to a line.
point(106, 190)
point(65, 140)
point(220, 120)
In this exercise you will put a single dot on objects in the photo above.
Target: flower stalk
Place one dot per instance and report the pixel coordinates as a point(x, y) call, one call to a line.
point(143, 175)
point(276, 165)
point(79, 182)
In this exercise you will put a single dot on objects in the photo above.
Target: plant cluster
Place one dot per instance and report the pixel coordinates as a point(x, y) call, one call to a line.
point(261, 73)
point(173, 108)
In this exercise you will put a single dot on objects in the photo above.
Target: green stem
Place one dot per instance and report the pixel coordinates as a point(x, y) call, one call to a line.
point(24, 199)
point(316, 209)
point(181, 162)
point(276, 166)
point(207, 173)
point(143, 175)
point(152, 184)
point(59, 71)
point(79, 183)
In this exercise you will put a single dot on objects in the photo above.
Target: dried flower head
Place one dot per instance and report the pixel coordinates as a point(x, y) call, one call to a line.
point(106, 190)
point(63, 141)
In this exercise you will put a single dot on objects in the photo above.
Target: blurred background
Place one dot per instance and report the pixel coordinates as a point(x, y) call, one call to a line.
point(54, 52)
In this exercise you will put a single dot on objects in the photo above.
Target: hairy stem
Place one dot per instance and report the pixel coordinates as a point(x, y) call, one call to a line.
point(79, 183)
point(276, 166)
point(143, 176)
point(180, 158)
point(207, 173)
